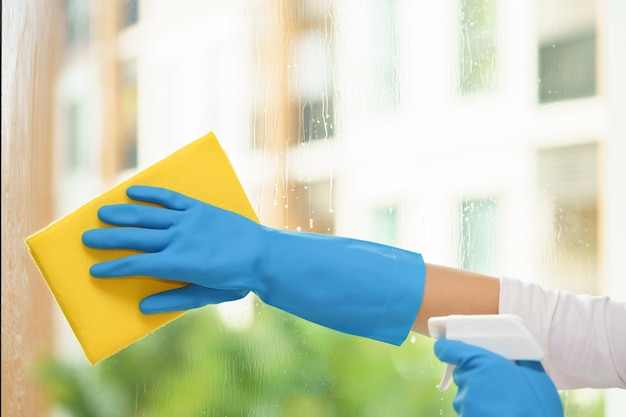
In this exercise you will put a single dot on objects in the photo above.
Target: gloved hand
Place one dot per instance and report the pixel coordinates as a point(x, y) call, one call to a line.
point(490, 385)
point(349, 285)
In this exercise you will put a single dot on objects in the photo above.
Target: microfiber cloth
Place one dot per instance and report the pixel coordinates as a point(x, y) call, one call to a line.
point(104, 313)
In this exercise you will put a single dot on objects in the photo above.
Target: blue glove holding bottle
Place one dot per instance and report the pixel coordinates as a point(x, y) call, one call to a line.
point(349, 285)
point(491, 385)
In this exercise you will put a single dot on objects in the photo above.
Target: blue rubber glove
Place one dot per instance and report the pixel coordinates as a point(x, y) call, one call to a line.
point(349, 285)
point(491, 385)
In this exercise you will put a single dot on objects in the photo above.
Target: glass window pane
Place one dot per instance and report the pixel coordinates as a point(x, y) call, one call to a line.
point(567, 68)
point(471, 131)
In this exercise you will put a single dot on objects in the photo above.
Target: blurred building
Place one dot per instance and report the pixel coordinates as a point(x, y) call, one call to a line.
point(468, 131)
point(471, 131)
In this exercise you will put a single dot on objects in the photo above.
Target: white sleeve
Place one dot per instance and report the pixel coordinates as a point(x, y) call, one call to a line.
point(585, 336)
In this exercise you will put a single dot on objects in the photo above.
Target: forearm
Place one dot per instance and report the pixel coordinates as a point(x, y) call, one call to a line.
point(455, 291)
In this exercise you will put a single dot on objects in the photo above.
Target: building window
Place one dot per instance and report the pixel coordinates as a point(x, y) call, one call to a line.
point(311, 83)
point(568, 184)
point(78, 23)
point(479, 241)
point(77, 154)
point(478, 40)
point(385, 59)
point(386, 221)
point(567, 68)
point(128, 115)
point(129, 13)
point(317, 120)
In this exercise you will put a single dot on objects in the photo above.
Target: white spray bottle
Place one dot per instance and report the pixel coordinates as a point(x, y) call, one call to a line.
point(504, 334)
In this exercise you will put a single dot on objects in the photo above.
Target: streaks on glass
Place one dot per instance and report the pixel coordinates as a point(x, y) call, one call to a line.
point(294, 105)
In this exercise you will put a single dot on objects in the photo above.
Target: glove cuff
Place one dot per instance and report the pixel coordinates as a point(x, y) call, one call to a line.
point(353, 286)
point(404, 297)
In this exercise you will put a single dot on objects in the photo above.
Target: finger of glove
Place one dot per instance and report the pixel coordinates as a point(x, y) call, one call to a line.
point(138, 215)
point(186, 298)
point(134, 238)
point(149, 264)
point(456, 352)
point(162, 196)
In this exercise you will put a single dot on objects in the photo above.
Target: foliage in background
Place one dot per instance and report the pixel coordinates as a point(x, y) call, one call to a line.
point(280, 366)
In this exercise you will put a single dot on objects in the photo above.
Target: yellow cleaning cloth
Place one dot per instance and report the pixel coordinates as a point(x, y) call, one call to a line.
point(104, 313)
